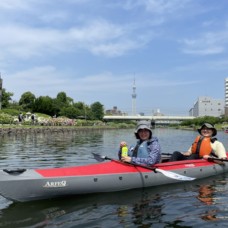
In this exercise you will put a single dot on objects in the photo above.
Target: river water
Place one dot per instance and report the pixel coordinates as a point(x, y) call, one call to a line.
point(193, 204)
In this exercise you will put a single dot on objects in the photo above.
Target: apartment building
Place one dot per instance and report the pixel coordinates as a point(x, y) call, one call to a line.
point(207, 106)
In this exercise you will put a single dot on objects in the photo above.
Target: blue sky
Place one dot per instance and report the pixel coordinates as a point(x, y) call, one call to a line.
point(176, 50)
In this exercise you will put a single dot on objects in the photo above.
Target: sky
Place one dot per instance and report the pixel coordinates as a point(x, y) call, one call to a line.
point(94, 50)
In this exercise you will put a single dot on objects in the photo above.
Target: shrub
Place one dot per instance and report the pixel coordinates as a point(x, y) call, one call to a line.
point(6, 119)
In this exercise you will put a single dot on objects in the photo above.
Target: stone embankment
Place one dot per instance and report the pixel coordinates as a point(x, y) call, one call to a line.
point(44, 130)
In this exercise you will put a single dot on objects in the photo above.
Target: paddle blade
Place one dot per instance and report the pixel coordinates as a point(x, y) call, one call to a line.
point(175, 176)
point(99, 157)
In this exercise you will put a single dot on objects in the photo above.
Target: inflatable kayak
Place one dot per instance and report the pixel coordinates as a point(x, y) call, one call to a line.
point(109, 176)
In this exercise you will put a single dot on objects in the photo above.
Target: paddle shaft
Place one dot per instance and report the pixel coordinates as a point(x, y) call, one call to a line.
point(156, 170)
point(136, 165)
point(167, 154)
point(217, 159)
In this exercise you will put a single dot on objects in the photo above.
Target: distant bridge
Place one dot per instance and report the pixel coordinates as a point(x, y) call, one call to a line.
point(153, 119)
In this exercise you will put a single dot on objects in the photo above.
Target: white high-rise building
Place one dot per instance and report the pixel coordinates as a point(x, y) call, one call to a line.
point(226, 96)
point(0, 91)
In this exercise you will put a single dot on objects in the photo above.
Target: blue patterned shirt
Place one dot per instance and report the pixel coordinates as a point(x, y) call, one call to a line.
point(154, 153)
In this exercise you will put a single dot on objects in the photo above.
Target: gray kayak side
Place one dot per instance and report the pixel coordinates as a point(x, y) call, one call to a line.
point(30, 185)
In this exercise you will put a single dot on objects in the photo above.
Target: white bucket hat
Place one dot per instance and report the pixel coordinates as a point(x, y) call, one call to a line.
point(142, 125)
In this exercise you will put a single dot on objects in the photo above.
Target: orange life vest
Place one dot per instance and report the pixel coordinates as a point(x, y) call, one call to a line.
point(202, 146)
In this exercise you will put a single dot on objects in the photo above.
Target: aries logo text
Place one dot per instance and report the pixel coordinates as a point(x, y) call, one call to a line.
point(55, 184)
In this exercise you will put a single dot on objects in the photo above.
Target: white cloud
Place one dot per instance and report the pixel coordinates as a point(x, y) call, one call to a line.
point(207, 44)
point(82, 46)
point(164, 6)
point(47, 80)
point(159, 7)
point(14, 4)
point(99, 37)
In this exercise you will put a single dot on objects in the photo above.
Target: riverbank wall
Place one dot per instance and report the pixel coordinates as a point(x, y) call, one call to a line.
point(9, 131)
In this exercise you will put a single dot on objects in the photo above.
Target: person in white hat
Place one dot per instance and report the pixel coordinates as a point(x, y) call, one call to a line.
point(204, 146)
point(147, 151)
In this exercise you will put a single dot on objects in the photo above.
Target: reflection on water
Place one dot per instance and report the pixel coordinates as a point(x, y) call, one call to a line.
point(206, 194)
point(165, 206)
point(139, 207)
point(191, 204)
point(55, 150)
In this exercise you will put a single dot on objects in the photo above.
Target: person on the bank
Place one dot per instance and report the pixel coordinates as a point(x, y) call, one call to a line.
point(147, 151)
point(20, 117)
point(204, 146)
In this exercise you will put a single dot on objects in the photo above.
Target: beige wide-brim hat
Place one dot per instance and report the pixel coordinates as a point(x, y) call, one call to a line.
point(210, 126)
point(142, 125)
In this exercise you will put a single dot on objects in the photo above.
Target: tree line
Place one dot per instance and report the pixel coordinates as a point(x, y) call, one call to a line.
point(61, 105)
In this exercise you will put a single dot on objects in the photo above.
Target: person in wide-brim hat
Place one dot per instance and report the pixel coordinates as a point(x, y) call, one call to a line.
point(142, 125)
point(209, 126)
point(147, 150)
point(204, 146)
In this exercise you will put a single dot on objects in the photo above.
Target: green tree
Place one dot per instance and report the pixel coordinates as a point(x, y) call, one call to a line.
point(6, 98)
point(79, 105)
point(61, 102)
point(64, 99)
point(70, 112)
point(97, 111)
point(44, 104)
point(27, 101)
point(203, 119)
point(83, 110)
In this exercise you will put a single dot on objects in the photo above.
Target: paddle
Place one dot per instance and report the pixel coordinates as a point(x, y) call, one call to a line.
point(166, 154)
point(217, 159)
point(169, 174)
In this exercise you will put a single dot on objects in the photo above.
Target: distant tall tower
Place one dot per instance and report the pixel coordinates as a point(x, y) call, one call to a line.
point(134, 99)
